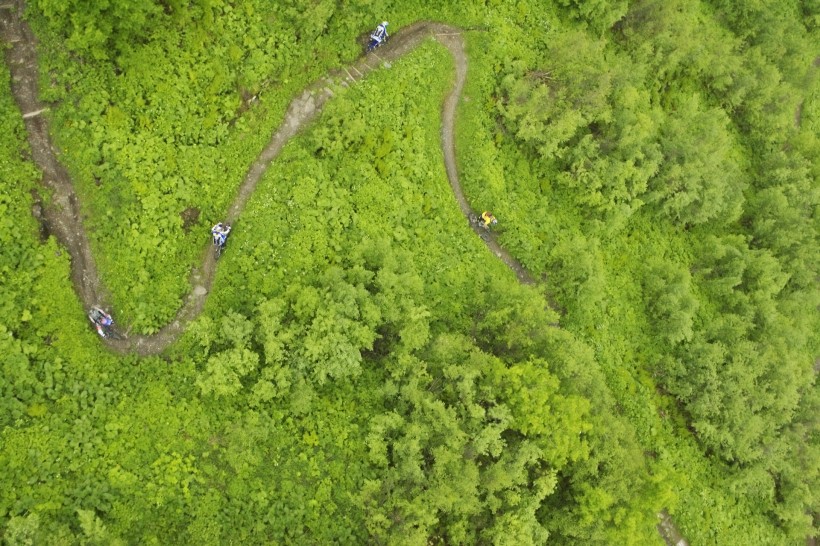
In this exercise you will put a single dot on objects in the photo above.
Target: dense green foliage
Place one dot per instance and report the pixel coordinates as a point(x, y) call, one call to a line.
point(364, 370)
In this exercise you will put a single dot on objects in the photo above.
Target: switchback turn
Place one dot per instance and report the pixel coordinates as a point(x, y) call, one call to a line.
point(63, 219)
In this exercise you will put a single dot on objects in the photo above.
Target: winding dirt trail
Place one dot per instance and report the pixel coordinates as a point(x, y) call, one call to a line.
point(62, 217)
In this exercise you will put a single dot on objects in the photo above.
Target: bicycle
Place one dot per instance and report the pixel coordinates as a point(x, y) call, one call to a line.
point(219, 246)
point(103, 323)
point(378, 37)
point(478, 225)
point(220, 238)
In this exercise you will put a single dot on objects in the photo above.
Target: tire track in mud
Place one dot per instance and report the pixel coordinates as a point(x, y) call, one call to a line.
point(62, 216)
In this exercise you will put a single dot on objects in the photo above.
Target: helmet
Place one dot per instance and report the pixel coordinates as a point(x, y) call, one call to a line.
point(384, 23)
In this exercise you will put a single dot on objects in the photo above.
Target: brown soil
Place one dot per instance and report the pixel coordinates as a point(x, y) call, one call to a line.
point(189, 218)
point(63, 219)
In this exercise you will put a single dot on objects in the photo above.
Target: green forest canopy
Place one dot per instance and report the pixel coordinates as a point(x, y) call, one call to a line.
point(364, 370)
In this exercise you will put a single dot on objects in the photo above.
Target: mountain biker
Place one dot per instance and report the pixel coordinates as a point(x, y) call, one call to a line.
point(100, 319)
point(487, 219)
point(220, 233)
point(379, 35)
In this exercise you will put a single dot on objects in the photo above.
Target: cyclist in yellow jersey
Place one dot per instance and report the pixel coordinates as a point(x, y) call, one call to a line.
point(487, 219)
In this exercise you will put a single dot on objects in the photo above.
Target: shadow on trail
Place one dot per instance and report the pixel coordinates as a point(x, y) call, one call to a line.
point(62, 216)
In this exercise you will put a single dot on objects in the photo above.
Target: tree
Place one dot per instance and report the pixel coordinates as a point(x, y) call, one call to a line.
point(670, 301)
point(101, 28)
point(599, 14)
point(738, 376)
point(546, 108)
point(699, 179)
point(225, 370)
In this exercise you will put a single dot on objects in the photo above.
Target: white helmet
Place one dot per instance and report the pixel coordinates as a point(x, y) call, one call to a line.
point(384, 23)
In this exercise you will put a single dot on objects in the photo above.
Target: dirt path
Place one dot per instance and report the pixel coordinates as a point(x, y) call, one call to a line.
point(62, 217)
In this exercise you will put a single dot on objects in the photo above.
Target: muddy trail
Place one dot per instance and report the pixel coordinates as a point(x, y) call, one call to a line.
point(63, 219)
